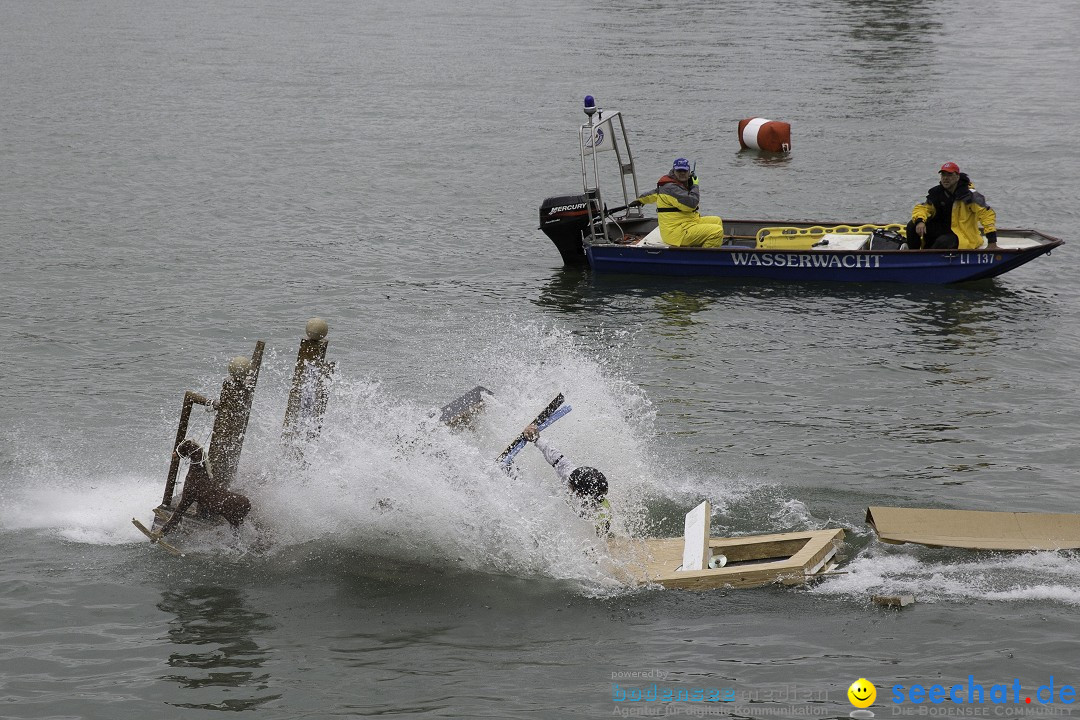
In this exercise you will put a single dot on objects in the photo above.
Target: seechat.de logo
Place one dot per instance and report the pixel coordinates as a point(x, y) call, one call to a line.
point(862, 694)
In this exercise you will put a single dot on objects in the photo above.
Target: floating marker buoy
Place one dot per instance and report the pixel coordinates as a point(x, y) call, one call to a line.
point(762, 134)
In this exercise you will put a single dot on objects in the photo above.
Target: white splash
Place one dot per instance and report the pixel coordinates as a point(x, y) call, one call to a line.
point(386, 478)
point(935, 575)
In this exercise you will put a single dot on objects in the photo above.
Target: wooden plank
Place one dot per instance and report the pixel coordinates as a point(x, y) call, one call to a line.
point(975, 529)
point(696, 551)
point(155, 540)
point(763, 559)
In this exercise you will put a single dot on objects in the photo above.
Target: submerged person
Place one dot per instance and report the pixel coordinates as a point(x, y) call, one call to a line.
point(200, 486)
point(586, 484)
point(677, 196)
point(951, 215)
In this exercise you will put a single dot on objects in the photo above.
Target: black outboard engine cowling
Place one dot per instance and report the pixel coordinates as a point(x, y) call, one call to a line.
point(565, 219)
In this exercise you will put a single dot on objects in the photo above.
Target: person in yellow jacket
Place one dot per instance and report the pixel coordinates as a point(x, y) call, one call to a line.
point(676, 197)
point(951, 215)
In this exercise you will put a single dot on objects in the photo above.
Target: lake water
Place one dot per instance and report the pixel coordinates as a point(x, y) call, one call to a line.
point(181, 180)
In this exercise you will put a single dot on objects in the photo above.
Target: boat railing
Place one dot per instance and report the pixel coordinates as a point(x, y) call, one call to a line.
point(604, 132)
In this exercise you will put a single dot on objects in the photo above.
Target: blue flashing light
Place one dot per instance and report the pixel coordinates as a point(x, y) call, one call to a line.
point(590, 105)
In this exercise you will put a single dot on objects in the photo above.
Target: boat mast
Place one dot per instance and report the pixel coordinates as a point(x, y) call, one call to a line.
point(597, 135)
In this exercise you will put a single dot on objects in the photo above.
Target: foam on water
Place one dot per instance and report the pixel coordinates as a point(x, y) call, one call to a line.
point(938, 575)
point(89, 510)
point(387, 478)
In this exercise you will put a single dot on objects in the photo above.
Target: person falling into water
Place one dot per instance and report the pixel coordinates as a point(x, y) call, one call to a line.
point(587, 486)
point(202, 487)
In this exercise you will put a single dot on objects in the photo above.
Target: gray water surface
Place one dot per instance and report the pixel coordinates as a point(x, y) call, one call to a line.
point(179, 181)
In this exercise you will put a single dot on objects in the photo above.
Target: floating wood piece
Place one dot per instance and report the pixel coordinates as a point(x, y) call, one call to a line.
point(751, 561)
point(310, 387)
point(893, 601)
point(154, 540)
point(465, 408)
point(975, 529)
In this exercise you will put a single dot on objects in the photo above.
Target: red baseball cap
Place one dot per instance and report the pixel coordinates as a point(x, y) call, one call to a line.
point(950, 167)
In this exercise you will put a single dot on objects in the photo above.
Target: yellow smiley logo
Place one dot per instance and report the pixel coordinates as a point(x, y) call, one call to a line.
point(862, 693)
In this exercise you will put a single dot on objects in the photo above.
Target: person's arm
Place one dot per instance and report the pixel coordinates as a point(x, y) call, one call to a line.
point(555, 459)
point(987, 218)
point(920, 214)
point(645, 198)
point(688, 197)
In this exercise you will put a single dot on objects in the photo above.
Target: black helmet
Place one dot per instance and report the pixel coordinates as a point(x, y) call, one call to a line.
point(588, 482)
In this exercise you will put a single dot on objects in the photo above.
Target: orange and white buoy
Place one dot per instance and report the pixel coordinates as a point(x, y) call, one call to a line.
point(762, 134)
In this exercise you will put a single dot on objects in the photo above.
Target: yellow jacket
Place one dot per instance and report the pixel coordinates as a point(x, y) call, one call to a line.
point(676, 207)
point(969, 211)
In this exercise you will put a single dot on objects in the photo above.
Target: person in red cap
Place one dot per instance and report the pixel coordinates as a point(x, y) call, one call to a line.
point(952, 215)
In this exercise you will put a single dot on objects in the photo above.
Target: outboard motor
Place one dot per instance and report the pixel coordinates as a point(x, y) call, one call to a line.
point(565, 219)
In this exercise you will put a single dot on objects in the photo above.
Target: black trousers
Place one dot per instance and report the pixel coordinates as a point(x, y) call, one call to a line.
point(936, 238)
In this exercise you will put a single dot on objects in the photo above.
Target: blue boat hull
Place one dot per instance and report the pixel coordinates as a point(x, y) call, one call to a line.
point(936, 267)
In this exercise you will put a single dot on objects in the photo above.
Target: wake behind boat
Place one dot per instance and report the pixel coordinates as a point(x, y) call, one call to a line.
point(586, 231)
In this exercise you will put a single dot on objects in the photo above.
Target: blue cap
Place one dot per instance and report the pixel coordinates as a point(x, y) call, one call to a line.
point(680, 164)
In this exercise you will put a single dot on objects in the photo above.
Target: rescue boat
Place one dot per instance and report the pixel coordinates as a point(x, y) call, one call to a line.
point(621, 239)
